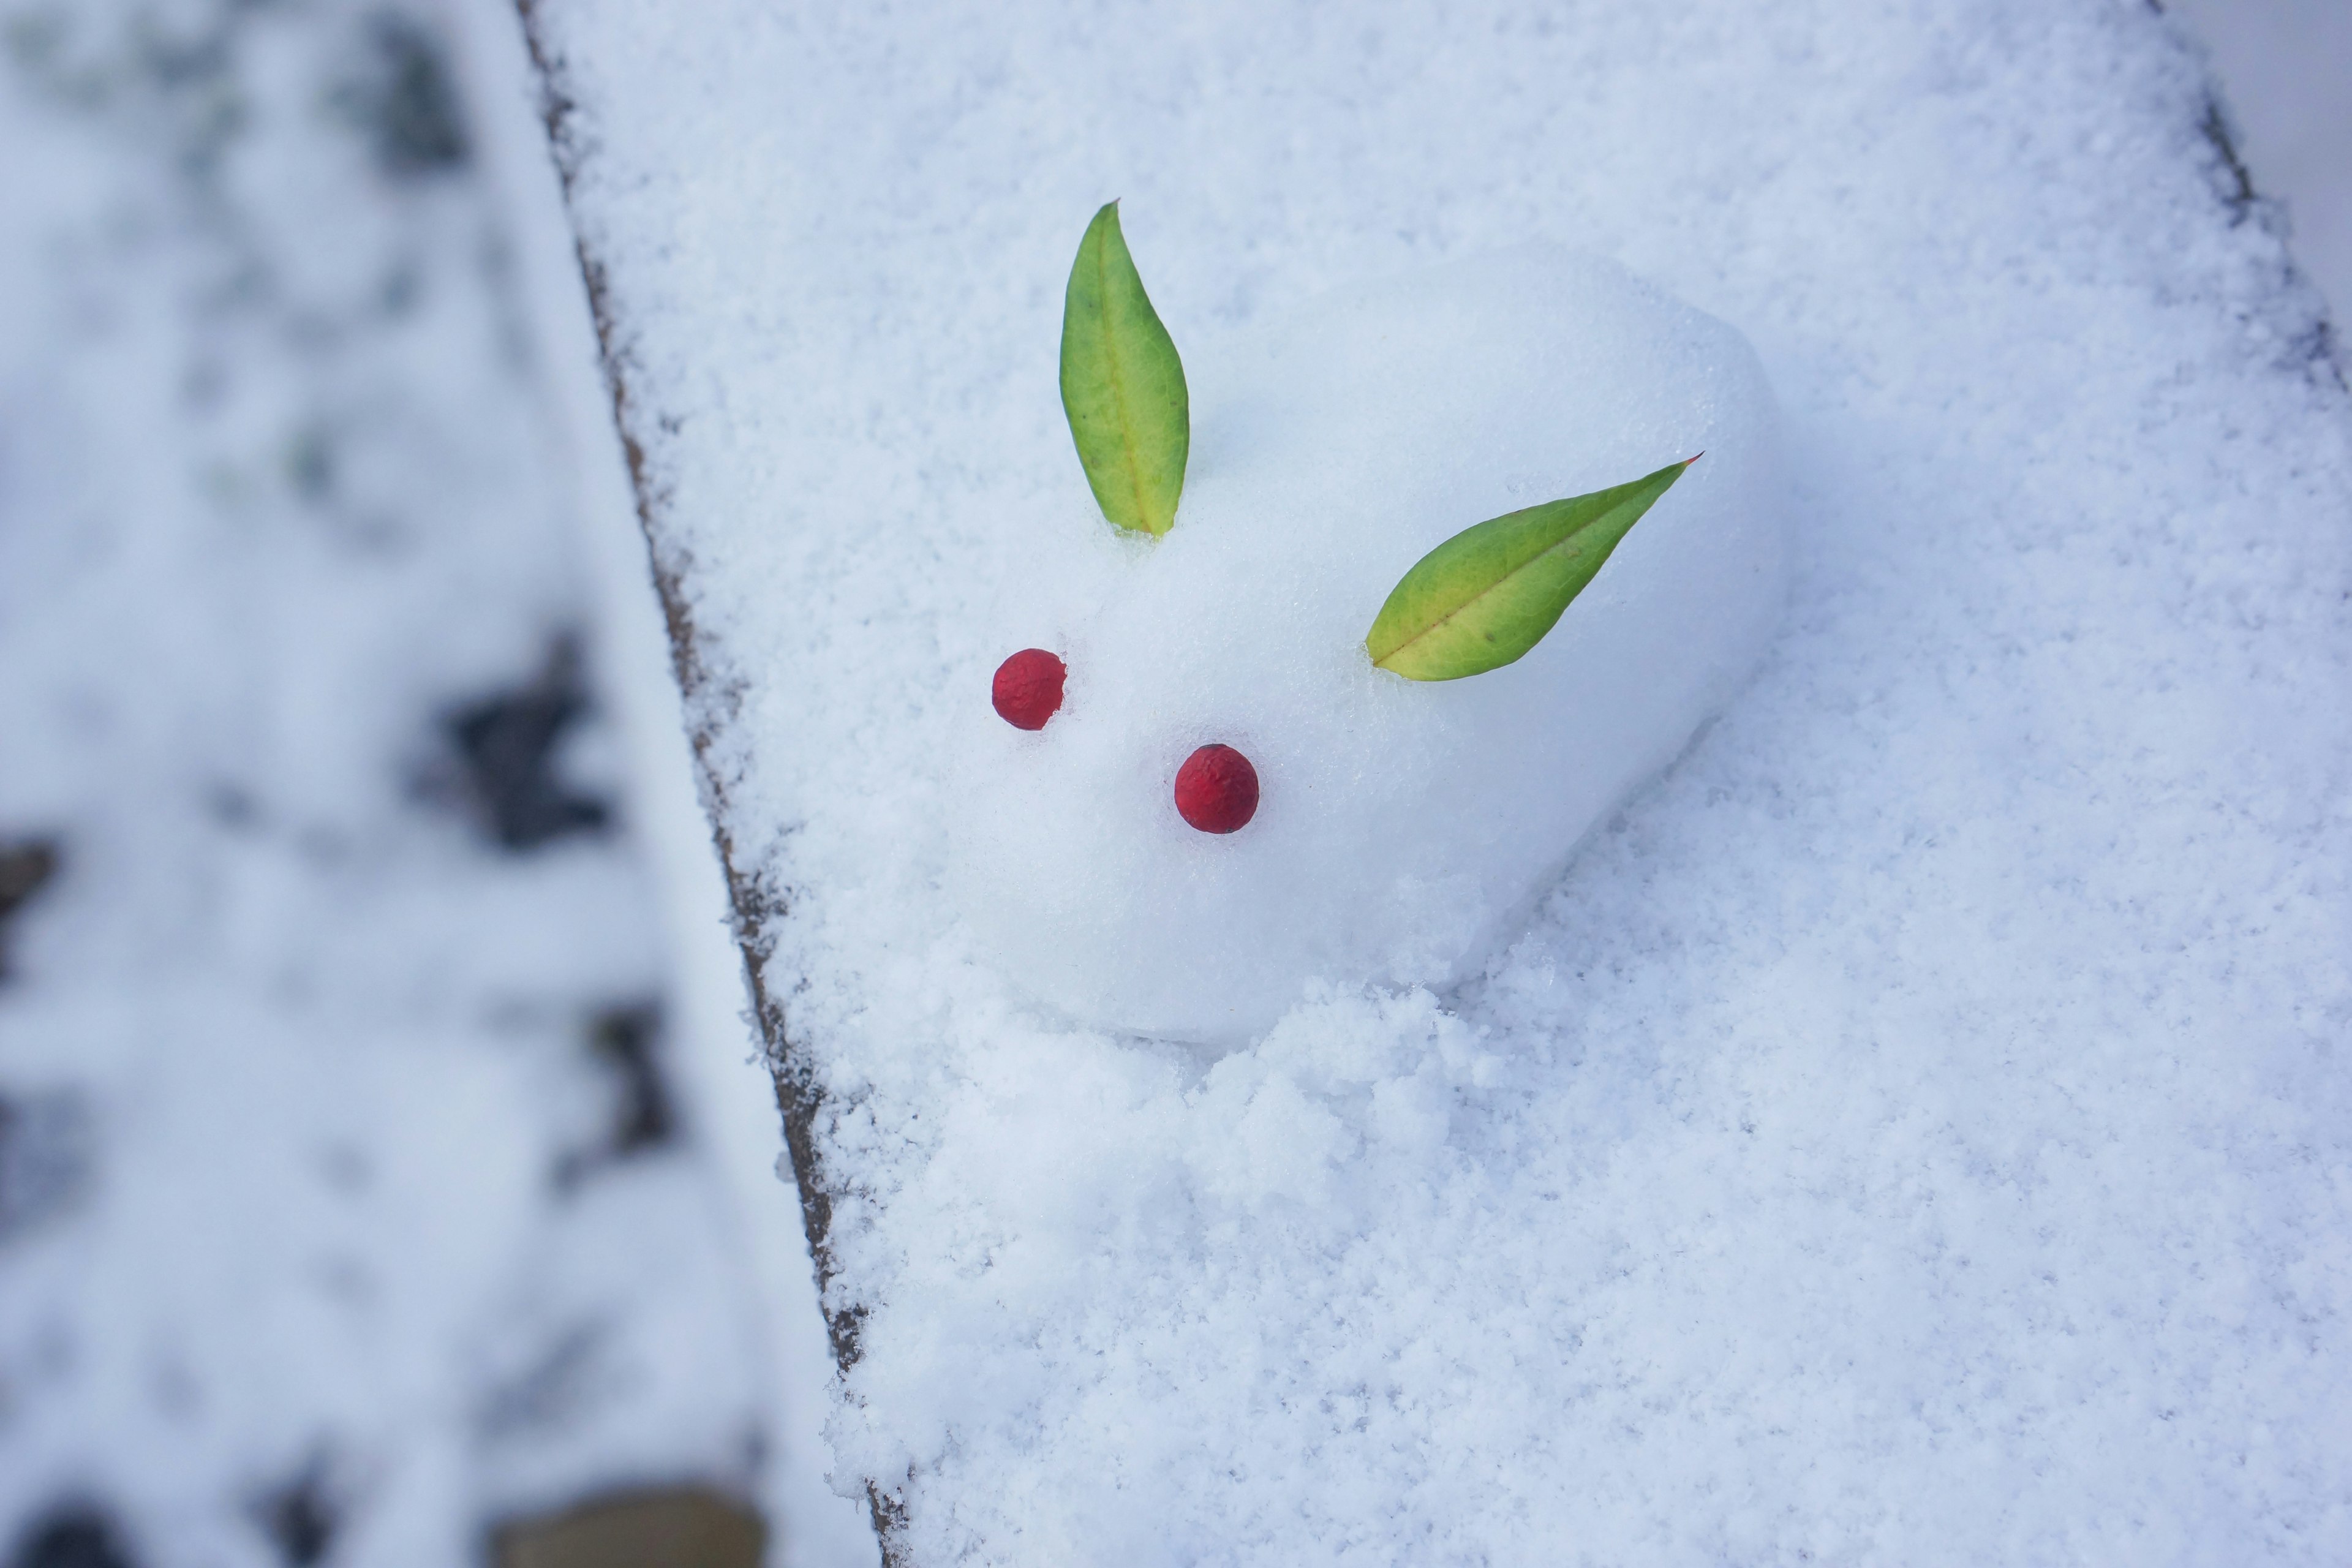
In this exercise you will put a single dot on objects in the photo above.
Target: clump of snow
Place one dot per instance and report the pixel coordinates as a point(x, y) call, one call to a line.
point(1404, 827)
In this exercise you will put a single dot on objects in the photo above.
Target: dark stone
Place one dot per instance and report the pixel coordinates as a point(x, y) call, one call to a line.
point(507, 746)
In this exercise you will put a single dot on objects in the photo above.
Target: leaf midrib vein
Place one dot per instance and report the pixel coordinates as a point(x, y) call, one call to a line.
point(1497, 586)
point(1118, 386)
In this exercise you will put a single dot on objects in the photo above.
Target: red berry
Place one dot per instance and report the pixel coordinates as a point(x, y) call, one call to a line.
point(1028, 688)
point(1216, 790)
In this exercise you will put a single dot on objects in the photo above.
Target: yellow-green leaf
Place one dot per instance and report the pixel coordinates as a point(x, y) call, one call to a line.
point(1489, 594)
point(1122, 385)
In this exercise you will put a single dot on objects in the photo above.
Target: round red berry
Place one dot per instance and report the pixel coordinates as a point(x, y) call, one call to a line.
point(1216, 790)
point(1028, 688)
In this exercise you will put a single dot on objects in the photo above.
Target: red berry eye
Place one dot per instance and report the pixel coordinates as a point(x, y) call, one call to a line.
point(1216, 790)
point(1028, 688)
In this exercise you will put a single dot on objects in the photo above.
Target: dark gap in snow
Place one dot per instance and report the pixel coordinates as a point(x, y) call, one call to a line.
point(231, 805)
point(311, 463)
point(507, 745)
point(301, 1516)
point(45, 1157)
point(403, 290)
point(624, 1042)
point(27, 866)
point(72, 1535)
point(406, 100)
point(548, 1394)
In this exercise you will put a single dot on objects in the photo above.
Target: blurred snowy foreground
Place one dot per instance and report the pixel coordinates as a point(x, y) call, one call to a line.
point(1914, 1129)
point(359, 1188)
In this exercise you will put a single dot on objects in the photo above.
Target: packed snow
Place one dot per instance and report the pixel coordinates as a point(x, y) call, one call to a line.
point(1916, 1129)
point(1404, 827)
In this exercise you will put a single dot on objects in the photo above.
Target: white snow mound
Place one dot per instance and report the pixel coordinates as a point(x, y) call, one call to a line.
point(1404, 827)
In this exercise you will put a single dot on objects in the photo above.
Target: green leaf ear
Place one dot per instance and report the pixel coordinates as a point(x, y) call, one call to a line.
point(1122, 385)
point(1489, 594)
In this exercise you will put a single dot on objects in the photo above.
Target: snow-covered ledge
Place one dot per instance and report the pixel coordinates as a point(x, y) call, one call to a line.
point(1914, 1129)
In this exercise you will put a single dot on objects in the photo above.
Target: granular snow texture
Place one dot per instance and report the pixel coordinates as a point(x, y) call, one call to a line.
point(349, 1199)
point(1912, 1132)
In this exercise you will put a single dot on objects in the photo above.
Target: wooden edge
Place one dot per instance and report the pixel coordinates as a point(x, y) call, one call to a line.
point(750, 904)
point(631, 1527)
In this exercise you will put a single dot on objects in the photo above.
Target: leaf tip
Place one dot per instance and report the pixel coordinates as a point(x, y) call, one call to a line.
point(1487, 596)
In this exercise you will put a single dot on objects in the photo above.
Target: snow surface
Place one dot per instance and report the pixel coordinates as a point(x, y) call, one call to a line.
point(351, 1196)
point(1405, 828)
point(1913, 1131)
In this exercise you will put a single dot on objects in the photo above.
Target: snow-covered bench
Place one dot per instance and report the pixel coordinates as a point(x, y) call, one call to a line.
point(1913, 1131)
